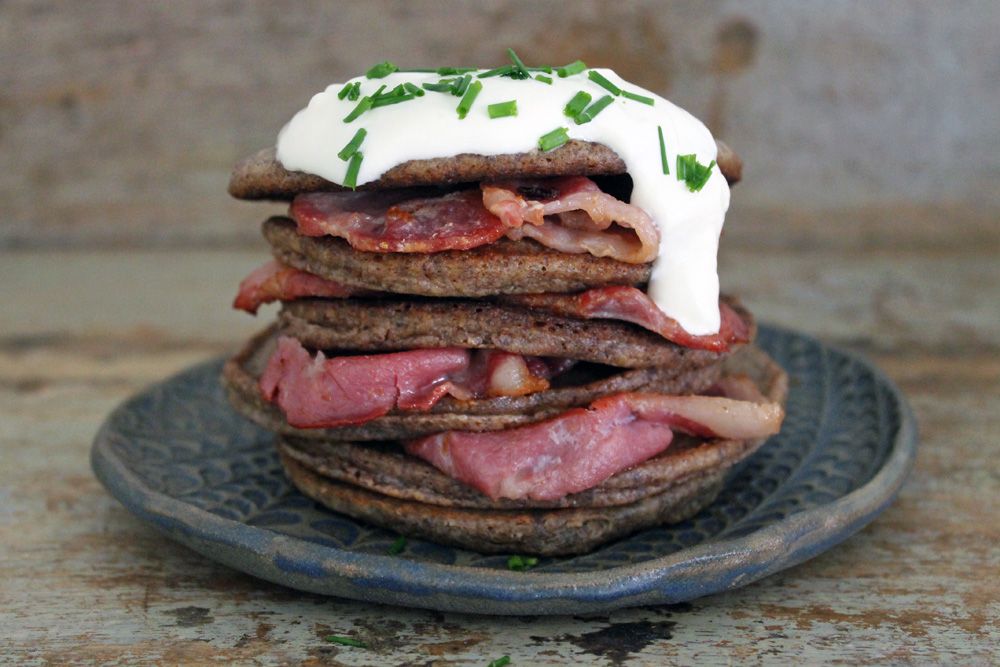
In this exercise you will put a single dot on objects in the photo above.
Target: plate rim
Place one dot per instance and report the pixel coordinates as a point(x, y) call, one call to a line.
point(691, 572)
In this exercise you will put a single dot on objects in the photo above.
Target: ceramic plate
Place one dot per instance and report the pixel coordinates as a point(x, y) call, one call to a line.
point(180, 458)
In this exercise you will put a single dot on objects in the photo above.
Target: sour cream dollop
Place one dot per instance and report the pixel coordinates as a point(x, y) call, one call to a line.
point(685, 281)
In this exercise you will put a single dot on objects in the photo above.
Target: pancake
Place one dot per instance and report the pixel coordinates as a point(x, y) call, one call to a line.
point(398, 324)
point(579, 387)
point(503, 267)
point(261, 176)
point(383, 485)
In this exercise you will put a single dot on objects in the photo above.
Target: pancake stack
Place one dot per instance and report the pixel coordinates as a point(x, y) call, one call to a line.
point(464, 299)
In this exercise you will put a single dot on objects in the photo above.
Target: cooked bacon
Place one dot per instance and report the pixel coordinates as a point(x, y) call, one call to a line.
point(571, 214)
point(316, 392)
point(398, 220)
point(277, 282)
point(631, 304)
point(582, 447)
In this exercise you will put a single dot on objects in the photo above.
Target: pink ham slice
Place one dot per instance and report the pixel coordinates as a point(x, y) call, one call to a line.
point(277, 282)
point(630, 304)
point(398, 220)
point(316, 392)
point(581, 448)
point(571, 214)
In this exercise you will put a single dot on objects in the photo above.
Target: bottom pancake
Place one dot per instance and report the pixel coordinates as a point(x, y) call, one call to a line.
point(379, 483)
point(557, 532)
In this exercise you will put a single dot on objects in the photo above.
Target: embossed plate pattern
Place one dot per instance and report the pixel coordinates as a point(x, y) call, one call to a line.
point(178, 456)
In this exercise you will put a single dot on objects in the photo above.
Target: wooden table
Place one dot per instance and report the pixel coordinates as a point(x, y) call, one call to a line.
point(81, 580)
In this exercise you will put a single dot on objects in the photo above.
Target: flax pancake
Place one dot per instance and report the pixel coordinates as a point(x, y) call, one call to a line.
point(503, 267)
point(379, 325)
point(382, 485)
point(579, 387)
point(261, 176)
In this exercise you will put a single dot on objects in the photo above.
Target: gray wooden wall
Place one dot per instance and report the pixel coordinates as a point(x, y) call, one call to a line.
point(869, 124)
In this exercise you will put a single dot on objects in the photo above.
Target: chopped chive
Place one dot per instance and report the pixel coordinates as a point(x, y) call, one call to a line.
point(521, 563)
point(414, 90)
point(571, 69)
point(498, 71)
point(663, 151)
point(520, 71)
point(638, 98)
point(502, 661)
point(355, 92)
point(346, 641)
point(352, 146)
point(577, 104)
point(442, 86)
point(597, 107)
point(602, 81)
point(397, 546)
point(351, 177)
point(468, 99)
point(445, 71)
point(693, 173)
point(344, 91)
point(381, 70)
point(459, 86)
point(386, 100)
point(502, 109)
point(544, 79)
point(543, 68)
point(364, 105)
point(553, 139)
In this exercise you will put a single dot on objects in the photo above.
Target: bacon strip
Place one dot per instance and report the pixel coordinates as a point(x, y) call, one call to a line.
point(571, 214)
point(398, 220)
point(631, 304)
point(581, 448)
point(277, 282)
point(316, 392)
point(568, 214)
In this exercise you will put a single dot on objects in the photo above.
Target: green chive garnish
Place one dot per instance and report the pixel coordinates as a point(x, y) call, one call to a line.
point(397, 546)
point(571, 69)
point(638, 98)
point(544, 79)
point(468, 99)
point(355, 92)
point(351, 177)
point(553, 139)
point(520, 71)
point(521, 563)
point(352, 146)
point(499, 71)
point(502, 661)
point(414, 90)
point(445, 71)
point(601, 81)
point(663, 151)
point(442, 86)
point(597, 107)
point(364, 105)
point(502, 109)
point(577, 104)
point(346, 641)
point(543, 68)
point(693, 173)
point(459, 86)
point(344, 91)
point(381, 70)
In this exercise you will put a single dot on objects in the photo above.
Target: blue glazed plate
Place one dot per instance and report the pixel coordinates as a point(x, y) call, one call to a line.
point(179, 457)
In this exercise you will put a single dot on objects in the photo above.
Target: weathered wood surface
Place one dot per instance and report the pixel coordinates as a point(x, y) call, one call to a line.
point(82, 581)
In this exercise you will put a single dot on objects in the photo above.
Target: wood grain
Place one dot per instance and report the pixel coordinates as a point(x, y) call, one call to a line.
point(85, 582)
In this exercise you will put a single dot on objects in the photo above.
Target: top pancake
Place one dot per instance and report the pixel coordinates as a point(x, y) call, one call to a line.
point(261, 176)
